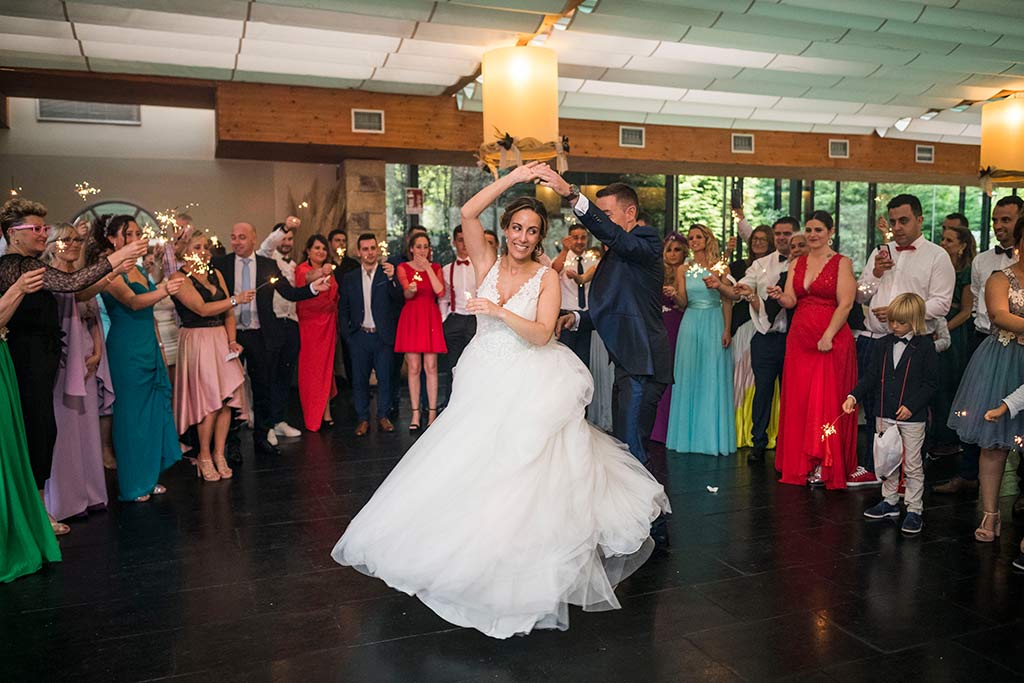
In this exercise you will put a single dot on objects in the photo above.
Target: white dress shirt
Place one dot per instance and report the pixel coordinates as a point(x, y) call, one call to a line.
point(458, 280)
point(570, 290)
point(925, 270)
point(898, 349)
point(983, 265)
point(1015, 401)
point(254, 318)
point(282, 307)
point(762, 274)
point(368, 276)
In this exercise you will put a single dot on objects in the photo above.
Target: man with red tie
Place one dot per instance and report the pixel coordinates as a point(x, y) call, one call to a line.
point(909, 264)
point(459, 324)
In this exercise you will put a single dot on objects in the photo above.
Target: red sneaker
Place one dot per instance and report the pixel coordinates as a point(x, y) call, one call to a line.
point(861, 477)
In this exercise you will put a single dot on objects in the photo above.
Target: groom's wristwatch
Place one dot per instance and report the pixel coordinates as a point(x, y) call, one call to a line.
point(574, 192)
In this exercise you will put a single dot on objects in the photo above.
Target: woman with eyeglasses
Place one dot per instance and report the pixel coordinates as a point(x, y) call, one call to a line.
point(34, 333)
point(83, 390)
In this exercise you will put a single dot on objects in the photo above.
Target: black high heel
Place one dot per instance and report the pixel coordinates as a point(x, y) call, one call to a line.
point(430, 420)
point(414, 426)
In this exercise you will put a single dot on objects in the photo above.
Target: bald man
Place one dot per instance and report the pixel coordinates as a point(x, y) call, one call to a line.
point(259, 330)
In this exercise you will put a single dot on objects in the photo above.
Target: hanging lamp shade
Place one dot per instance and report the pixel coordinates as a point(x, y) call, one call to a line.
point(1002, 142)
point(520, 93)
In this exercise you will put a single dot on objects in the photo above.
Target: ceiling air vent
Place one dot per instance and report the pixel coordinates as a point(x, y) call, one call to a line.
point(838, 149)
point(742, 143)
point(367, 121)
point(925, 154)
point(88, 112)
point(631, 136)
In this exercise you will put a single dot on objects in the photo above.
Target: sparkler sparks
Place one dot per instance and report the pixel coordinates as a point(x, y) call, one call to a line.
point(84, 190)
point(960, 413)
point(721, 268)
point(196, 265)
point(270, 281)
point(829, 429)
point(341, 252)
point(416, 277)
point(15, 191)
point(62, 246)
point(383, 247)
point(304, 205)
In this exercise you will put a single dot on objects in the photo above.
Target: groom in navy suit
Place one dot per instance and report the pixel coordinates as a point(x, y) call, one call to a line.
point(625, 305)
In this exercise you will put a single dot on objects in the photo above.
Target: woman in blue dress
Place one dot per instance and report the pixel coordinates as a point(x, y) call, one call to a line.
point(701, 417)
point(145, 438)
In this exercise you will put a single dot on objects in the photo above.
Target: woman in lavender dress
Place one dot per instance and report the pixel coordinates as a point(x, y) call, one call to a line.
point(673, 255)
point(82, 391)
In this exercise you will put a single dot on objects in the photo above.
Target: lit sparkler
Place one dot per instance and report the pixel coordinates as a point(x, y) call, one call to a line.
point(304, 205)
point(721, 269)
point(829, 429)
point(62, 246)
point(84, 190)
point(195, 264)
point(340, 251)
point(960, 413)
point(15, 191)
point(416, 277)
point(270, 281)
point(383, 247)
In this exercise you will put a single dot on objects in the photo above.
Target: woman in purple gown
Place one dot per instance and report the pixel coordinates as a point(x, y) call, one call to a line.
point(82, 391)
point(673, 255)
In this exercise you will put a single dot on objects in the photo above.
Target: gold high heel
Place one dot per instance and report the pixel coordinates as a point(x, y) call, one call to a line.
point(984, 535)
point(206, 470)
point(223, 470)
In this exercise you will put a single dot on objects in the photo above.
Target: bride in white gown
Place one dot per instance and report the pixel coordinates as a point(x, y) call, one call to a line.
point(511, 506)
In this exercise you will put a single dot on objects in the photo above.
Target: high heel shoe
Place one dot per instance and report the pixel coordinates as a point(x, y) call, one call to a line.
point(431, 418)
point(59, 528)
point(206, 470)
point(414, 424)
point(326, 424)
point(223, 470)
point(984, 535)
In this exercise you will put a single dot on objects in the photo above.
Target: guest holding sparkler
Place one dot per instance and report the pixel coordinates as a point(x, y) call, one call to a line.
point(817, 442)
point(83, 390)
point(673, 254)
point(318, 324)
point(420, 334)
point(34, 337)
point(144, 436)
point(701, 416)
point(209, 379)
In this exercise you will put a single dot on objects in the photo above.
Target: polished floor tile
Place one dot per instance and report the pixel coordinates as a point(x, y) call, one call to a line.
point(233, 581)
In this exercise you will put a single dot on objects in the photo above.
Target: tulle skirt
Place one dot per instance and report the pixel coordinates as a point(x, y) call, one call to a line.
point(994, 372)
point(511, 506)
point(203, 380)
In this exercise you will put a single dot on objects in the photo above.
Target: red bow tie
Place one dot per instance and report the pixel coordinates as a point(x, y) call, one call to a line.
point(907, 248)
point(461, 263)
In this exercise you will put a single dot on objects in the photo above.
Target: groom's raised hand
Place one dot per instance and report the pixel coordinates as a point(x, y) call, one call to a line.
point(549, 178)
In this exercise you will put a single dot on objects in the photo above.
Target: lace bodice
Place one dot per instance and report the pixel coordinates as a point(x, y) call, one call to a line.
point(497, 337)
point(1016, 308)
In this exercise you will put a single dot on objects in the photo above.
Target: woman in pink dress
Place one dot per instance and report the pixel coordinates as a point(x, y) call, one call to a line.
point(318, 336)
point(817, 442)
point(420, 335)
point(673, 254)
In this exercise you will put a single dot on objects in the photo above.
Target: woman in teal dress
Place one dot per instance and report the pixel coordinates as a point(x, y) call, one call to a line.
point(145, 438)
point(26, 537)
point(702, 418)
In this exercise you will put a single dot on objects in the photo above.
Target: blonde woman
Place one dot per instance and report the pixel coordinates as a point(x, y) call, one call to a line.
point(701, 415)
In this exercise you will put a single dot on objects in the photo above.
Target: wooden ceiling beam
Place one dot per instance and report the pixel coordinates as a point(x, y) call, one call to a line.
point(86, 86)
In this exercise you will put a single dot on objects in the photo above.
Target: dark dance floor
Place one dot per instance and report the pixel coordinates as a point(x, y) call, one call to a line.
point(233, 581)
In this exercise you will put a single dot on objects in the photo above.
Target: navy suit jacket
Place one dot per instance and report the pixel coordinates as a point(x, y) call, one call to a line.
point(921, 378)
point(625, 298)
point(385, 303)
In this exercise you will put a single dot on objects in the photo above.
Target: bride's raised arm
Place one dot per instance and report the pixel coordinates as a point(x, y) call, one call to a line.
point(473, 230)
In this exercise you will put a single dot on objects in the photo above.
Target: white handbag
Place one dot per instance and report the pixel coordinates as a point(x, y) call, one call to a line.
point(888, 446)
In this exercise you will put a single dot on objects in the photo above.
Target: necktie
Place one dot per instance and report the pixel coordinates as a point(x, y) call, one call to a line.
point(245, 315)
point(582, 291)
point(1008, 251)
point(909, 247)
point(772, 307)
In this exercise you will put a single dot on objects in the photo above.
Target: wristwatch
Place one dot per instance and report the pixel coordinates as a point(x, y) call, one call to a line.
point(234, 301)
point(574, 192)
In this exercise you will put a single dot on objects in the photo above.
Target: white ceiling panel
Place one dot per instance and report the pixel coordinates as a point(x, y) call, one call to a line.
point(420, 63)
point(588, 114)
point(707, 110)
point(676, 12)
point(980, 21)
point(566, 84)
point(731, 99)
point(313, 36)
point(536, 6)
point(857, 53)
point(966, 65)
point(581, 72)
point(961, 140)
point(789, 78)
point(909, 135)
point(680, 66)
point(772, 125)
point(892, 111)
point(425, 89)
point(684, 81)
point(44, 28)
point(444, 33)
point(833, 129)
point(822, 66)
point(251, 62)
point(752, 87)
point(313, 53)
point(414, 76)
point(690, 121)
point(766, 114)
point(154, 21)
point(845, 94)
point(963, 92)
point(973, 131)
point(607, 60)
point(35, 9)
point(330, 20)
point(936, 127)
point(428, 48)
point(819, 17)
point(637, 26)
point(864, 120)
point(480, 17)
point(138, 36)
point(53, 46)
point(951, 35)
point(161, 55)
point(769, 43)
point(650, 92)
point(811, 105)
point(767, 26)
point(599, 42)
point(713, 55)
point(885, 9)
point(585, 101)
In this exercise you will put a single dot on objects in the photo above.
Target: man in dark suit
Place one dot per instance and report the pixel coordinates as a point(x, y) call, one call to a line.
point(625, 305)
point(259, 330)
point(369, 303)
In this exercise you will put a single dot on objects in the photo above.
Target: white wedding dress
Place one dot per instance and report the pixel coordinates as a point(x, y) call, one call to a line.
point(510, 506)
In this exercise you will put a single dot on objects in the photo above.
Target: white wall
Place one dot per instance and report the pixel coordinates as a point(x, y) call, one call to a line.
point(166, 162)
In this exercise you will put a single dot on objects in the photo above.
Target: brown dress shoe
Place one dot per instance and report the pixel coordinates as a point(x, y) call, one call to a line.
point(385, 425)
point(956, 485)
point(362, 428)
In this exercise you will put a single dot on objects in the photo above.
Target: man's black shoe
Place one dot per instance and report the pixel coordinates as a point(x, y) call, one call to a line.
point(756, 455)
point(265, 446)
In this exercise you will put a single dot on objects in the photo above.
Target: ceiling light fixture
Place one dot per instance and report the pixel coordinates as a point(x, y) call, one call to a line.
point(881, 132)
point(930, 114)
point(1002, 142)
point(901, 124)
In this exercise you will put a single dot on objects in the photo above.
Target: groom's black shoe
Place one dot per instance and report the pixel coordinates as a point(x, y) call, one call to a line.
point(261, 444)
point(756, 455)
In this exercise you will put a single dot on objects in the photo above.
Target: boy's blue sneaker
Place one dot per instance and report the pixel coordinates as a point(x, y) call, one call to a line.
point(912, 523)
point(882, 510)
point(1019, 563)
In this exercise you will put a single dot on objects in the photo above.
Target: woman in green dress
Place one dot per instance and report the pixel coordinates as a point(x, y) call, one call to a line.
point(26, 538)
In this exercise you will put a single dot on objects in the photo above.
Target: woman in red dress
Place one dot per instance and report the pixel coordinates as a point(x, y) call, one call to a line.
point(318, 325)
point(817, 442)
point(420, 335)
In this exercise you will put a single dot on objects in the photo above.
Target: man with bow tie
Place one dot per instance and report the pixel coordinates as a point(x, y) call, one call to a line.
point(909, 264)
point(575, 265)
point(768, 347)
point(459, 325)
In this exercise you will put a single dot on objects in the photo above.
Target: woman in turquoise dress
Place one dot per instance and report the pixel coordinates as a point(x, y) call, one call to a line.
point(702, 418)
point(26, 537)
point(145, 438)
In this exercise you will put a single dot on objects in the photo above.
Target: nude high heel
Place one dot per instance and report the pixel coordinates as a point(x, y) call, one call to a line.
point(984, 535)
point(206, 470)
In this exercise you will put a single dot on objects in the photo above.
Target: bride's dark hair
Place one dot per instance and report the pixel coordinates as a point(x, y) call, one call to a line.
point(537, 207)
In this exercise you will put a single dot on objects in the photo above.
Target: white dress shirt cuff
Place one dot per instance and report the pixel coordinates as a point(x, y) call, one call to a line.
point(576, 318)
point(581, 206)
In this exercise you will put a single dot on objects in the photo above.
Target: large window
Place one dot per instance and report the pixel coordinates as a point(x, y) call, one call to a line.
point(937, 202)
point(703, 199)
point(853, 227)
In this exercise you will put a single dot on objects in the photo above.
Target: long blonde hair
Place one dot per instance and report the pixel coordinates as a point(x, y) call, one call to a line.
point(710, 242)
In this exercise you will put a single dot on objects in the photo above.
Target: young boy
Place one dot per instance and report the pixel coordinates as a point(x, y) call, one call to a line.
point(1012, 404)
point(900, 382)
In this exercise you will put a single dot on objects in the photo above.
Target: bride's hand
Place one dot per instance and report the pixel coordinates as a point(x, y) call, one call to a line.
point(525, 173)
point(481, 306)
